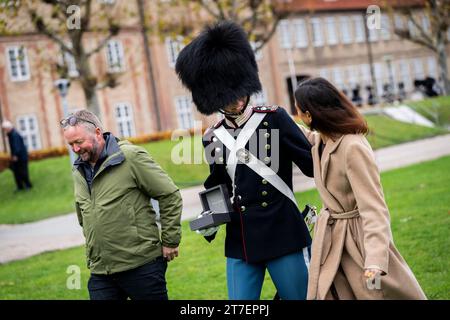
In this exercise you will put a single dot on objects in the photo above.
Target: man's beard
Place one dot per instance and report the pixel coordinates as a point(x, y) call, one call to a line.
point(90, 155)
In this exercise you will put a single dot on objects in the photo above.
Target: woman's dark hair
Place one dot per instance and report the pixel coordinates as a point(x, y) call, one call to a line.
point(331, 111)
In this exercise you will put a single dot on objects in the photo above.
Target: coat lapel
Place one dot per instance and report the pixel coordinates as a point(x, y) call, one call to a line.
point(320, 171)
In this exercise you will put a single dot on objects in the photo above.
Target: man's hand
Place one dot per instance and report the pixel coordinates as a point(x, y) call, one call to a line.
point(170, 253)
point(14, 159)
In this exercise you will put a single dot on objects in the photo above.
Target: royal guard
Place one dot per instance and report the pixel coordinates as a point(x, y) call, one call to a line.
point(251, 151)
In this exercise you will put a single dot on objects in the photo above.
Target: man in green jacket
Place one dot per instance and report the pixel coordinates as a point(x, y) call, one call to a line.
point(114, 181)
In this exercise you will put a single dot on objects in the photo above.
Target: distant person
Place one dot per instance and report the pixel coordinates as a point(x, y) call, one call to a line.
point(401, 92)
point(114, 182)
point(418, 91)
point(371, 99)
point(19, 157)
point(356, 98)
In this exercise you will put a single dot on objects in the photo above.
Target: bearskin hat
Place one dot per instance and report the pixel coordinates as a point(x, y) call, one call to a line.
point(218, 67)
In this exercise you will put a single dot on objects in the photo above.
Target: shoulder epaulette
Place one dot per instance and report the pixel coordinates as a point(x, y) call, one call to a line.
point(265, 109)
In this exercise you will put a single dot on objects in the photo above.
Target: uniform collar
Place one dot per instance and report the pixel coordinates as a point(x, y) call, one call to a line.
point(240, 120)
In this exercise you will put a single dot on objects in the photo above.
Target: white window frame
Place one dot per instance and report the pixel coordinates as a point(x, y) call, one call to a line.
point(379, 77)
point(173, 47)
point(345, 30)
point(317, 32)
point(69, 61)
point(21, 65)
point(284, 34)
point(124, 121)
point(425, 22)
point(301, 33)
point(432, 67)
point(338, 78)
point(324, 73)
point(405, 75)
point(27, 133)
point(418, 69)
point(358, 27)
point(185, 112)
point(332, 34)
point(385, 27)
point(114, 56)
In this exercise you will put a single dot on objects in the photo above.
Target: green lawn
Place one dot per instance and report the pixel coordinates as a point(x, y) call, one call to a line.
point(436, 109)
point(52, 192)
point(419, 204)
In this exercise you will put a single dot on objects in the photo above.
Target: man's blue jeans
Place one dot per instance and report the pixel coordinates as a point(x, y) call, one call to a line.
point(147, 282)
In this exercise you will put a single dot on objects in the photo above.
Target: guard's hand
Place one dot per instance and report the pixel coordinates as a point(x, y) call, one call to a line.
point(208, 231)
point(14, 159)
point(170, 253)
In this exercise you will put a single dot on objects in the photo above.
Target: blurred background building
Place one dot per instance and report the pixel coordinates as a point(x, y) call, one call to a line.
point(319, 38)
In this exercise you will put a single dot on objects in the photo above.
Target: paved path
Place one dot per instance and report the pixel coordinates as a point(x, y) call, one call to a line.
point(22, 241)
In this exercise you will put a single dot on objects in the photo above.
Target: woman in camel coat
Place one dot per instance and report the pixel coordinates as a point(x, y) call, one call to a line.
point(353, 253)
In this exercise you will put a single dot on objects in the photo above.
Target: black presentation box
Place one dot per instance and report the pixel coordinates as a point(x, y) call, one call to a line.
point(216, 208)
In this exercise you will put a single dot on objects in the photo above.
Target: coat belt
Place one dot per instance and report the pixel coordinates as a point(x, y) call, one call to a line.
point(323, 227)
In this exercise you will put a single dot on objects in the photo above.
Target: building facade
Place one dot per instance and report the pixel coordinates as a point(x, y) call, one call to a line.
point(329, 41)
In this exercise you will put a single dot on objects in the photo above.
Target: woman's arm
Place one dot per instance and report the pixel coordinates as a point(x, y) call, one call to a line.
point(363, 175)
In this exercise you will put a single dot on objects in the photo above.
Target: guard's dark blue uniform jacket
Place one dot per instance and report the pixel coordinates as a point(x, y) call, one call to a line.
point(266, 224)
point(17, 146)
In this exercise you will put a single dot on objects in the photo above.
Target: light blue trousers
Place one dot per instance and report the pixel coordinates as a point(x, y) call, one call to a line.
point(289, 273)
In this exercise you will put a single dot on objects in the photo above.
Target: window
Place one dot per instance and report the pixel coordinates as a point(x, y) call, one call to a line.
point(68, 60)
point(124, 119)
point(398, 22)
point(338, 78)
point(352, 75)
point(431, 62)
point(114, 56)
point(284, 34)
point(259, 99)
point(365, 74)
point(332, 36)
point(412, 28)
point(405, 76)
point(418, 69)
point(378, 69)
point(385, 27)
point(358, 23)
point(373, 35)
point(18, 63)
point(184, 110)
point(174, 46)
point(346, 34)
point(28, 129)
point(426, 24)
point(301, 33)
point(317, 32)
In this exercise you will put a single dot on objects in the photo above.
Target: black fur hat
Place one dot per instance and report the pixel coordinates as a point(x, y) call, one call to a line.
point(218, 67)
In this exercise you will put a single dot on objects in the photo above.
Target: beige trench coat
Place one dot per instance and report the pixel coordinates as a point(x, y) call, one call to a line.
point(353, 230)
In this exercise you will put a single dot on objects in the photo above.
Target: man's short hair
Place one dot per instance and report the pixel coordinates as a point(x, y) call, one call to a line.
point(7, 124)
point(91, 121)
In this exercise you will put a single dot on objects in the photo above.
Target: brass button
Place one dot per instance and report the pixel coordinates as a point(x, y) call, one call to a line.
point(214, 139)
point(264, 181)
point(267, 159)
point(221, 159)
point(239, 197)
point(267, 146)
point(242, 208)
point(265, 123)
point(264, 204)
point(264, 193)
point(218, 150)
point(331, 221)
point(267, 135)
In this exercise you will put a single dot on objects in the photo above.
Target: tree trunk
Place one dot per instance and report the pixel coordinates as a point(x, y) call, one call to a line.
point(443, 71)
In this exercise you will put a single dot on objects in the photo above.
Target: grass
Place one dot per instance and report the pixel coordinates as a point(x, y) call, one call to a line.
point(53, 190)
point(419, 204)
point(435, 109)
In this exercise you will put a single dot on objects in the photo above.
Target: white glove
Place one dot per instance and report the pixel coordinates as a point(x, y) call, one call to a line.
point(208, 231)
